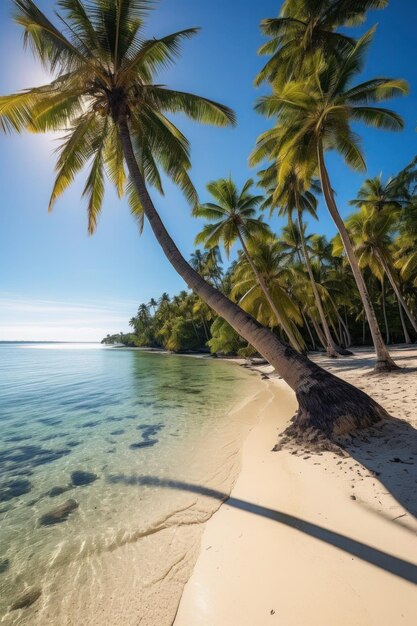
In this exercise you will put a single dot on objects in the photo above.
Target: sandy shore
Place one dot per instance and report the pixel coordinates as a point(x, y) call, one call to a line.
point(317, 539)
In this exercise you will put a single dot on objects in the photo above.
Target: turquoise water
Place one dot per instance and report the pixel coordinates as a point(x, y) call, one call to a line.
point(129, 419)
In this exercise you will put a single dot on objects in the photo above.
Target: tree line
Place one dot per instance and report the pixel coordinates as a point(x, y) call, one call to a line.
point(296, 282)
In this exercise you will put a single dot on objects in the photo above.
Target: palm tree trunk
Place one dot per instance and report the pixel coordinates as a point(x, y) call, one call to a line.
point(331, 348)
point(295, 344)
point(319, 332)
point(336, 332)
point(403, 324)
point(384, 362)
point(394, 285)
point(307, 325)
point(384, 311)
point(327, 404)
point(342, 323)
point(363, 328)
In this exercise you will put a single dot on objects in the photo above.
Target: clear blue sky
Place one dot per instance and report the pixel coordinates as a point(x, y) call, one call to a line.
point(58, 283)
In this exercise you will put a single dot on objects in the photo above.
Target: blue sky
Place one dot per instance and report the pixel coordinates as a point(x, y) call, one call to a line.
point(56, 283)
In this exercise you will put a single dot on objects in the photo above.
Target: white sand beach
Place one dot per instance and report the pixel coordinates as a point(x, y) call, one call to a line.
point(317, 539)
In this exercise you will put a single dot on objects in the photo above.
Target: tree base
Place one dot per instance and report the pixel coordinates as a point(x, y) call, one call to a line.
point(384, 366)
point(344, 352)
point(329, 409)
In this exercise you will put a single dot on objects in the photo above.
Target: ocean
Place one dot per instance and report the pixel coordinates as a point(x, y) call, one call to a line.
point(110, 462)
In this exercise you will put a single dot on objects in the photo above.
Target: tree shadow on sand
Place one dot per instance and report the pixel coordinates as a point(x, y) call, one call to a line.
point(389, 452)
point(394, 565)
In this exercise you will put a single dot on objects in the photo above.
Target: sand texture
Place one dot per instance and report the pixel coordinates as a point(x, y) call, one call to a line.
point(317, 539)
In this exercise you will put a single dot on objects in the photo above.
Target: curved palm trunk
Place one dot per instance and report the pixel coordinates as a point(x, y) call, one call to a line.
point(327, 404)
point(270, 301)
point(331, 348)
point(384, 362)
point(394, 285)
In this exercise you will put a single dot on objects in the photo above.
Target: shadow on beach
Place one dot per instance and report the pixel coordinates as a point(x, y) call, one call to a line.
point(396, 566)
point(389, 453)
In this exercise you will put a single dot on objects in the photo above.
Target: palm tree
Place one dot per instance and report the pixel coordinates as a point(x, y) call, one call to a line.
point(293, 195)
point(105, 95)
point(153, 304)
point(268, 257)
point(305, 29)
point(379, 196)
point(370, 230)
point(234, 217)
point(315, 115)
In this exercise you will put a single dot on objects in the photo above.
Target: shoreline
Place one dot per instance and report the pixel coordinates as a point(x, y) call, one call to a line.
point(314, 539)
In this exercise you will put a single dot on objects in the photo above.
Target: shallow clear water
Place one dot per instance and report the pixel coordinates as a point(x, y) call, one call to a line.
point(131, 419)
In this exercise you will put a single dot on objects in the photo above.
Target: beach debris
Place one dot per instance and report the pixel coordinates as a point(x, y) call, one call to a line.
point(14, 489)
point(79, 478)
point(4, 565)
point(26, 599)
point(59, 514)
point(396, 459)
point(272, 612)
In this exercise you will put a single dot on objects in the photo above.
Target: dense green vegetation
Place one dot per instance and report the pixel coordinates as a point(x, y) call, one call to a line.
point(380, 229)
point(285, 292)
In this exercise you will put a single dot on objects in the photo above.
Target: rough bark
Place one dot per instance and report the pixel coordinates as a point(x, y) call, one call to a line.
point(384, 362)
point(349, 408)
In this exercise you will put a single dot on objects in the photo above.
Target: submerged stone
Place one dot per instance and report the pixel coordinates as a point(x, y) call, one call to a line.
point(57, 491)
point(26, 599)
point(80, 478)
point(14, 489)
point(119, 431)
point(59, 514)
point(4, 565)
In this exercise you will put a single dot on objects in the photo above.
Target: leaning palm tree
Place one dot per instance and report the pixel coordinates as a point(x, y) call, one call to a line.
point(315, 115)
point(105, 96)
point(304, 29)
point(233, 217)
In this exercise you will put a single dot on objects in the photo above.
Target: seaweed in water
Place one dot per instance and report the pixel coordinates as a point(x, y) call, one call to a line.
point(14, 489)
point(14, 458)
point(79, 478)
point(143, 444)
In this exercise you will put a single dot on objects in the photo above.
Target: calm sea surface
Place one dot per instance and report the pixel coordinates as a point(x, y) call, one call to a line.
point(119, 434)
